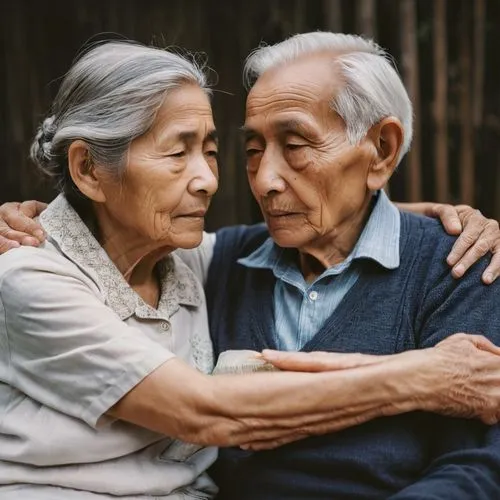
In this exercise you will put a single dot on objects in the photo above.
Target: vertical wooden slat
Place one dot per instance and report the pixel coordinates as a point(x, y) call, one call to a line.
point(478, 75)
point(333, 15)
point(409, 48)
point(466, 118)
point(299, 16)
point(366, 18)
point(441, 101)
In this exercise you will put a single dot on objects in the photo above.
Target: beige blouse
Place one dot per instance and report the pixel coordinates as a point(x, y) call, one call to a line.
point(74, 339)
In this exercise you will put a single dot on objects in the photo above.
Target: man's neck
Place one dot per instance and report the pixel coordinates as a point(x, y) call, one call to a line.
point(334, 247)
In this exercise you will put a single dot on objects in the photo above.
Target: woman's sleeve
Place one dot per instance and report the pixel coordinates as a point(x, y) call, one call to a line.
point(61, 345)
point(198, 259)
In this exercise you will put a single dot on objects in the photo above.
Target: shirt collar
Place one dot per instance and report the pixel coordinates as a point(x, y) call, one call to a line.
point(378, 241)
point(71, 235)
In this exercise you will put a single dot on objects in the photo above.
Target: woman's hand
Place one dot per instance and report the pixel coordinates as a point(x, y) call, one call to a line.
point(17, 226)
point(318, 361)
point(463, 379)
point(477, 236)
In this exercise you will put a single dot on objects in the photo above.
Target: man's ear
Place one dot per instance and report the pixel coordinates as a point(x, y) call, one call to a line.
point(83, 173)
point(387, 136)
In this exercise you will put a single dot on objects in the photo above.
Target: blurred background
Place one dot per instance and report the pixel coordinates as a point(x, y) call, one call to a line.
point(446, 51)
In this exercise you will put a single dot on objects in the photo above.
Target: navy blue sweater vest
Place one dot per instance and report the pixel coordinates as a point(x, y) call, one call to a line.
point(412, 456)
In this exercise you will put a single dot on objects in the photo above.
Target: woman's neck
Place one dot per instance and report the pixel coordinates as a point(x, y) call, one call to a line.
point(134, 255)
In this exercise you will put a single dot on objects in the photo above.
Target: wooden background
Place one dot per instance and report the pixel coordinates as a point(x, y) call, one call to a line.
point(446, 50)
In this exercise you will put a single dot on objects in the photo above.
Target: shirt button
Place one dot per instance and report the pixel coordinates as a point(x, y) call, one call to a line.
point(313, 295)
point(165, 326)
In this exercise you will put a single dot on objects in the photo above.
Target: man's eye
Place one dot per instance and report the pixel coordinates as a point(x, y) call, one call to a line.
point(252, 152)
point(213, 153)
point(294, 147)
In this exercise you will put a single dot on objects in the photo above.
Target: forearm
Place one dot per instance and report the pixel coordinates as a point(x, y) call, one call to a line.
point(271, 407)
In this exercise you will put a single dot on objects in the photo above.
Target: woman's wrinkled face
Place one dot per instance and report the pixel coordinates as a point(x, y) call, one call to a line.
point(171, 173)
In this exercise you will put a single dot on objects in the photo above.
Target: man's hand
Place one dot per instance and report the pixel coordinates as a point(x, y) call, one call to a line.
point(17, 226)
point(477, 236)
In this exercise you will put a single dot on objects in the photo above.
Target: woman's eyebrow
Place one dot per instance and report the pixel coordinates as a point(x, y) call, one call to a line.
point(187, 136)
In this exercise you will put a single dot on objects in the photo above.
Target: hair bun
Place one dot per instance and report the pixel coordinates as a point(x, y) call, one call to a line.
point(41, 149)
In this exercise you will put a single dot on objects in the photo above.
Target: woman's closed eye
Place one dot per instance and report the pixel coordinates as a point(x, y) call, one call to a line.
point(177, 154)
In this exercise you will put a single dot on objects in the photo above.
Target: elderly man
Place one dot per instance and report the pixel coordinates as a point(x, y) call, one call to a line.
point(328, 120)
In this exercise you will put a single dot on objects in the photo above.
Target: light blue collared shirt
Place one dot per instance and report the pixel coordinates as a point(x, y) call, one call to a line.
point(301, 308)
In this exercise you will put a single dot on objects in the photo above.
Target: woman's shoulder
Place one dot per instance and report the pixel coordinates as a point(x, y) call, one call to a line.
point(23, 268)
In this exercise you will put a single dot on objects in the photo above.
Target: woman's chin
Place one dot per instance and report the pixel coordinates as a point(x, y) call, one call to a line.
point(188, 241)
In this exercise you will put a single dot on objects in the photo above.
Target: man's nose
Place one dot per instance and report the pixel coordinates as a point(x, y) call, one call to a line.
point(268, 179)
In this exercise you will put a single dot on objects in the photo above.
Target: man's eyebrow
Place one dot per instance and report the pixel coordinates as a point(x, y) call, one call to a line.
point(212, 136)
point(282, 127)
point(248, 133)
point(294, 126)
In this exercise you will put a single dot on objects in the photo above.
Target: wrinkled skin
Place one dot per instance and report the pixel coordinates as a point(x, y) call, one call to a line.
point(464, 380)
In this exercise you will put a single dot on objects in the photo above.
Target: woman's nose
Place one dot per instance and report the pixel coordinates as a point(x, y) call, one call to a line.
point(205, 178)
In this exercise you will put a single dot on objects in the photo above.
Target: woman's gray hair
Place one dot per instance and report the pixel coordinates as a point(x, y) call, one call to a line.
point(372, 89)
point(109, 97)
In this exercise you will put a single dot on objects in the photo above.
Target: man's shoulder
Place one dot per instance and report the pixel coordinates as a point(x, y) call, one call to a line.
point(429, 245)
point(426, 236)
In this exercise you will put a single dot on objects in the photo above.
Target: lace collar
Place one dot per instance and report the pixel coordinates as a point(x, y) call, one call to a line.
point(179, 286)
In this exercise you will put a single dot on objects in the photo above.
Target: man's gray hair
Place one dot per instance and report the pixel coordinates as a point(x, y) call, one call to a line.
point(109, 97)
point(372, 89)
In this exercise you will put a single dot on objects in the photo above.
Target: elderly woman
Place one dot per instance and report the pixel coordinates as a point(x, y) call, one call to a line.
point(104, 338)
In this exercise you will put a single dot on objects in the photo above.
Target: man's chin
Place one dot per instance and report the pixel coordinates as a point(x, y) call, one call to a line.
point(286, 238)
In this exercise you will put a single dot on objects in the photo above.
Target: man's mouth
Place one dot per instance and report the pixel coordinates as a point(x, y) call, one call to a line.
point(280, 213)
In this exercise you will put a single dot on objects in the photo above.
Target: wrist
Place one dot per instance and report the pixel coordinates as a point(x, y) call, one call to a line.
point(412, 380)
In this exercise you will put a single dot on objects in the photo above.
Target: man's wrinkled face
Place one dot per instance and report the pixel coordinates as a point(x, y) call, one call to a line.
point(309, 181)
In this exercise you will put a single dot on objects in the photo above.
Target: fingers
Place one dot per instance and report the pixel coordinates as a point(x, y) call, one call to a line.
point(484, 344)
point(317, 361)
point(478, 341)
point(32, 208)
point(271, 444)
point(14, 216)
point(492, 272)
point(449, 217)
point(6, 244)
point(480, 235)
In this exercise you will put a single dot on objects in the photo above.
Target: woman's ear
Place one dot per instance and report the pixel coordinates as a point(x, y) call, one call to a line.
point(387, 135)
point(83, 173)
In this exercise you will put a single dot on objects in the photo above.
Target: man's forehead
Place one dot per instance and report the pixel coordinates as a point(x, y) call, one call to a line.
point(315, 70)
point(307, 82)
